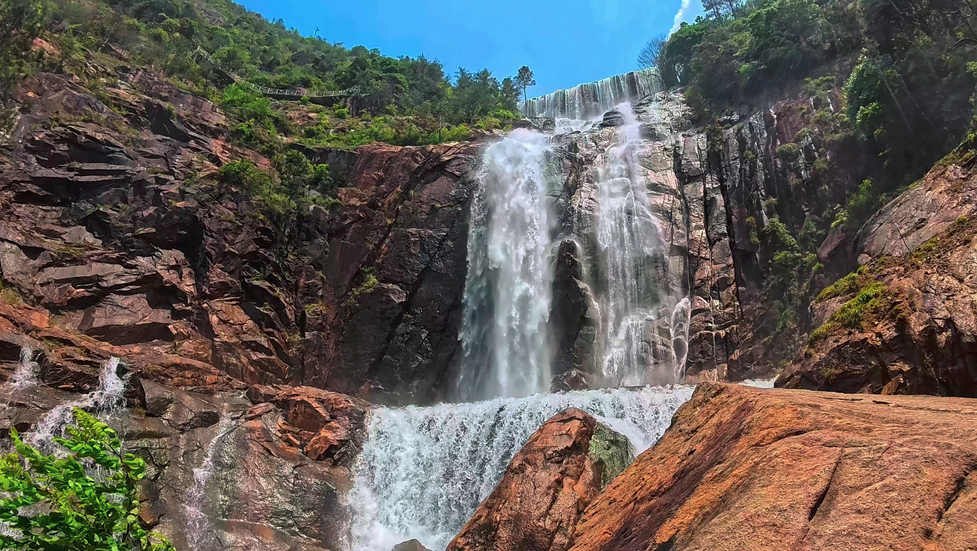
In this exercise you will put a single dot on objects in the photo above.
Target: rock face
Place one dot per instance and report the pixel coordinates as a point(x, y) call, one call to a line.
point(743, 468)
point(546, 486)
point(225, 474)
point(115, 234)
point(905, 323)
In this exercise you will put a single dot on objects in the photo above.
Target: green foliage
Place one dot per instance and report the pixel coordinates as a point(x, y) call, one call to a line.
point(56, 504)
point(844, 286)
point(873, 298)
point(911, 65)
point(21, 21)
point(298, 185)
point(369, 283)
point(862, 203)
point(166, 34)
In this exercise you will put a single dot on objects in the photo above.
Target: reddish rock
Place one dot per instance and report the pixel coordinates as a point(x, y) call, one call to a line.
point(104, 223)
point(326, 425)
point(543, 491)
point(920, 335)
point(744, 468)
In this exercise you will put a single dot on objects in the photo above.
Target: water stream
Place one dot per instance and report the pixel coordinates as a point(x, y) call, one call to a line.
point(593, 99)
point(200, 532)
point(25, 376)
point(505, 335)
point(105, 401)
point(423, 471)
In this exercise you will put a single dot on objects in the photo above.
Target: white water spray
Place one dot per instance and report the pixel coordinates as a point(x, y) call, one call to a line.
point(423, 471)
point(590, 100)
point(105, 401)
point(630, 241)
point(25, 376)
point(200, 533)
point(509, 282)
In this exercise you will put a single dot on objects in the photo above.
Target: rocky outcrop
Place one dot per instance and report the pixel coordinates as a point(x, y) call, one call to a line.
point(385, 316)
point(223, 473)
point(744, 468)
point(115, 234)
point(546, 486)
point(905, 322)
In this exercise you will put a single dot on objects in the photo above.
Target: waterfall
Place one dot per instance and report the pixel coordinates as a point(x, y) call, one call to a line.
point(631, 248)
point(105, 400)
point(505, 337)
point(423, 471)
point(200, 533)
point(25, 376)
point(587, 101)
point(680, 320)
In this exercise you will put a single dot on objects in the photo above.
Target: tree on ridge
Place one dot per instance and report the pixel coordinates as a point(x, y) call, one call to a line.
point(525, 79)
point(651, 54)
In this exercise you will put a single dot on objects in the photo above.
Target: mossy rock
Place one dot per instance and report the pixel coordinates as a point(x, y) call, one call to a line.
point(612, 452)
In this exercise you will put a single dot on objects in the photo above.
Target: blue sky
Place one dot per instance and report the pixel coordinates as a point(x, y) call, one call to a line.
point(564, 42)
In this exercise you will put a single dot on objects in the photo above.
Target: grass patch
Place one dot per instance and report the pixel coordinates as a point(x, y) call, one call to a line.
point(369, 283)
point(872, 299)
point(842, 287)
point(9, 296)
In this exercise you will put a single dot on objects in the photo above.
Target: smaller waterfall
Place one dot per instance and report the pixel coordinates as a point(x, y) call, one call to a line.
point(25, 376)
point(629, 240)
point(680, 320)
point(423, 471)
point(509, 281)
point(587, 101)
point(200, 533)
point(105, 400)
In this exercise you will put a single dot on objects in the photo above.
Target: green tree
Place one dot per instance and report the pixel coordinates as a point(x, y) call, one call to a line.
point(21, 21)
point(525, 79)
point(57, 505)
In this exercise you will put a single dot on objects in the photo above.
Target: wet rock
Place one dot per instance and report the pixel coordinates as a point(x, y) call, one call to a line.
point(612, 118)
point(893, 473)
point(326, 425)
point(546, 486)
point(571, 380)
point(412, 545)
point(180, 410)
point(542, 124)
point(575, 318)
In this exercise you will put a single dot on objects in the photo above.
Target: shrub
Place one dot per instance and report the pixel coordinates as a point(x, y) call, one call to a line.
point(58, 504)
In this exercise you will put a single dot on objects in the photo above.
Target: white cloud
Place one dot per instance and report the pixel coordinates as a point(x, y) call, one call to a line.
point(687, 13)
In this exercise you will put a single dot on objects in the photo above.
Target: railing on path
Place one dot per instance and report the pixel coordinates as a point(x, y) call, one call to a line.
point(297, 93)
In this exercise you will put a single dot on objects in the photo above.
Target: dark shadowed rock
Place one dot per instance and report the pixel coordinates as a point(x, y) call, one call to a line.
point(905, 323)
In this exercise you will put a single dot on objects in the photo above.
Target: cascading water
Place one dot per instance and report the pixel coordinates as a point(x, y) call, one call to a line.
point(507, 292)
point(105, 400)
point(200, 534)
point(586, 101)
point(423, 471)
point(629, 240)
point(25, 376)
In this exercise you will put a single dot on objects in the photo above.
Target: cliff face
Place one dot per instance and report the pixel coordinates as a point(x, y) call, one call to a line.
point(905, 321)
point(115, 233)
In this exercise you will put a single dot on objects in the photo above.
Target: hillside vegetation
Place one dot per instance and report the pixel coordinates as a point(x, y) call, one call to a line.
point(403, 101)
